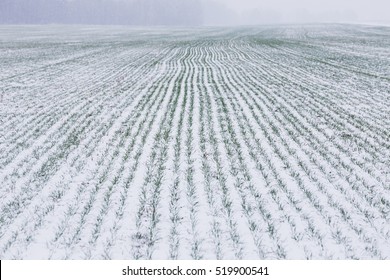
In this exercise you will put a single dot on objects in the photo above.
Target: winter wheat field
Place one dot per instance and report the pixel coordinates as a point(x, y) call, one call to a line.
point(208, 143)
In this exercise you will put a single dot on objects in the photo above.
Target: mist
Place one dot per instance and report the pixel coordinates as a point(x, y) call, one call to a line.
point(120, 12)
point(248, 12)
point(191, 12)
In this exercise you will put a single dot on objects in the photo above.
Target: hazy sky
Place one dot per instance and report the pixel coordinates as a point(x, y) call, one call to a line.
point(259, 11)
point(189, 12)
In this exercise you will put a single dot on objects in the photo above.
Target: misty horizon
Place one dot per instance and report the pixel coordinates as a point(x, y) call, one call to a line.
point(190, 12)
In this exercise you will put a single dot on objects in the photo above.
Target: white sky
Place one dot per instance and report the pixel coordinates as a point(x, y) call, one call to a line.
point(308, 11)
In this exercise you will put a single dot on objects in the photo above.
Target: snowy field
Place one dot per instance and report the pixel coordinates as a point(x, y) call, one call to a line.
point(209, 143)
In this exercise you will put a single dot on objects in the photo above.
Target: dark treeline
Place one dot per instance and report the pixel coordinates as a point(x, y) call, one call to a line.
point(126, 12)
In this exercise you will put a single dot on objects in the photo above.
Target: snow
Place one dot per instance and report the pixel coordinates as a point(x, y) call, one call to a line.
point(277, 146)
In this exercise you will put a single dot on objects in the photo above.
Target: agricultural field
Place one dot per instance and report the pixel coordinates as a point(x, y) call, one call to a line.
point(204, 143)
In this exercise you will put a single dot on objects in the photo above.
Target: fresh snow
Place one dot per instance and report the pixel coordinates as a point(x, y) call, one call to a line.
point(205, 143)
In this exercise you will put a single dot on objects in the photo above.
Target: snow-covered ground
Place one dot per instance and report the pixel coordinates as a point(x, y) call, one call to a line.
point(209, 143)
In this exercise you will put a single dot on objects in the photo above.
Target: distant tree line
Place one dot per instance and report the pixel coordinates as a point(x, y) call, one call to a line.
point(126, 12)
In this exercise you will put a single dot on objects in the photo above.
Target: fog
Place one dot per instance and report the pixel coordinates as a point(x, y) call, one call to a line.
point(298, 11)
point(192, 12)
